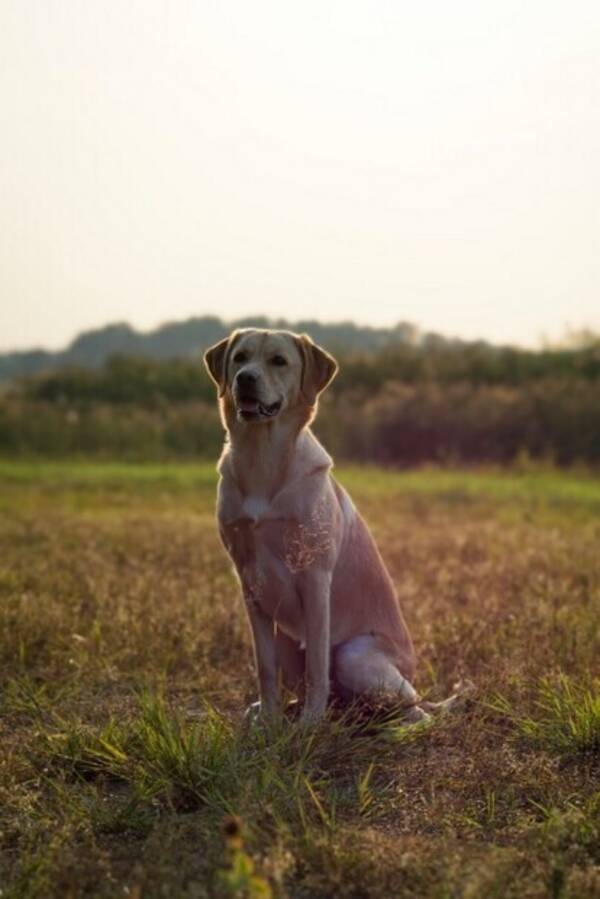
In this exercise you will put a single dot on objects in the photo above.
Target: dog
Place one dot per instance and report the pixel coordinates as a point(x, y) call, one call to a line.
point(321, 604)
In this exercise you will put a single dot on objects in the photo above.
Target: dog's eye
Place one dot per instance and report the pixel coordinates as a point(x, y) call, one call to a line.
point(240, 357)
point(279, 360)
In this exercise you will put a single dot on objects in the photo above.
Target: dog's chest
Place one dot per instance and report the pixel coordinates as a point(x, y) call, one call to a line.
point(268, 553)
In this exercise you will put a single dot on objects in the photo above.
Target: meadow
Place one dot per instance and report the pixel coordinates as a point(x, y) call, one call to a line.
point(126, 664)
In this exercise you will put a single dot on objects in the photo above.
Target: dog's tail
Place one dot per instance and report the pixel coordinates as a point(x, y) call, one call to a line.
point(462, 691)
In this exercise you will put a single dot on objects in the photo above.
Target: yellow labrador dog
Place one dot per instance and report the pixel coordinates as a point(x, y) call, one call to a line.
point(320, 601)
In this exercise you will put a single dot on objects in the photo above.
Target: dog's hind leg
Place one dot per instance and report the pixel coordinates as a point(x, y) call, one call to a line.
point(362, 666)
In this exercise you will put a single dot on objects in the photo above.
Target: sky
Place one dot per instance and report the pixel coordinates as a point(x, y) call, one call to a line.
point(383, 161)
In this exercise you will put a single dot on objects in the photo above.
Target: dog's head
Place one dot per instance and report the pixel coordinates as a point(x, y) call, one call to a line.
point(263, 373)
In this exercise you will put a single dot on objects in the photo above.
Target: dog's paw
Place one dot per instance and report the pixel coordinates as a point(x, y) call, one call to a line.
point(312, 714)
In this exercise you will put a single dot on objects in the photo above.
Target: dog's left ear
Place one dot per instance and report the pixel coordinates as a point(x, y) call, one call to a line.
point(216, 358)
point(318, 368)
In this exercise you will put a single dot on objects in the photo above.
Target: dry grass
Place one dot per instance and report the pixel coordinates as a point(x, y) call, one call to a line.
point(126, 664)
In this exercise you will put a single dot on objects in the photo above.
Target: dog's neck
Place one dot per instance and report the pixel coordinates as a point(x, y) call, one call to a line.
point(261, 456)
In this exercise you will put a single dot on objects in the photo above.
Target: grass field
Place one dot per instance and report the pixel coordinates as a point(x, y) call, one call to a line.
point(125, 667)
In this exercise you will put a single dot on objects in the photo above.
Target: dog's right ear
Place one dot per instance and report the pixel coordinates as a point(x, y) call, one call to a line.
point(216, 359)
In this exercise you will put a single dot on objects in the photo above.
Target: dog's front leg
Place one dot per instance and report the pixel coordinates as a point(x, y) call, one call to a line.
point(315, 592)
point(263, 635)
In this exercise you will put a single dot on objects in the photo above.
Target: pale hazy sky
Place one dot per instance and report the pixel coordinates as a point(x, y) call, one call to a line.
point(436, 162)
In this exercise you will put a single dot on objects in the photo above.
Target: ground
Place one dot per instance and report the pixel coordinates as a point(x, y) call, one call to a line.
point(125, 665)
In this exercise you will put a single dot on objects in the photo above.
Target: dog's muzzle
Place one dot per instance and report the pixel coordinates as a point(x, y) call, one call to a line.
point(249, 406)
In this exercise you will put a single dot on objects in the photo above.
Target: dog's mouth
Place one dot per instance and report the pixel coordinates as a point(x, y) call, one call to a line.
point(251, 409)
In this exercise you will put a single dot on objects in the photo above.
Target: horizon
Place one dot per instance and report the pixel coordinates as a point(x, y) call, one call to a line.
point(343, 162)
point(571, 337)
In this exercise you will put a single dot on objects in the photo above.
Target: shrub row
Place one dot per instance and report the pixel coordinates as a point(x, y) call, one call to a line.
point(399, 424)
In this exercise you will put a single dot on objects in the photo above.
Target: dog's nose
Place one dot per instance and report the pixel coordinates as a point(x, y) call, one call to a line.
point(246, 378)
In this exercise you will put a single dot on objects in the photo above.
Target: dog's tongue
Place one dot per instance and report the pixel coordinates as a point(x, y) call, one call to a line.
point(248, 405)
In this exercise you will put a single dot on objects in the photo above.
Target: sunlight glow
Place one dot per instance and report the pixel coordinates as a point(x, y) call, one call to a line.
point(434, 162)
